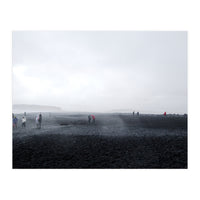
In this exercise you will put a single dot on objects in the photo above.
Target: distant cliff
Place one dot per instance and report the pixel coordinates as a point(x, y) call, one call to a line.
point(35, 108)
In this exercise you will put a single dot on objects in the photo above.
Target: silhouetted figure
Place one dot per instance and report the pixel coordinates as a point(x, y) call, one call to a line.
point(93, 119)
point(133, 113)
point(138, 113)
point(89, 119)
point(40, 120)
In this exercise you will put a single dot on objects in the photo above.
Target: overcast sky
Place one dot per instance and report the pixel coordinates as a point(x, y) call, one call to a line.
point(101, 71)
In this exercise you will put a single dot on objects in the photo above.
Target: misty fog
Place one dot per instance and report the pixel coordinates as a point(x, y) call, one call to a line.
point(101, 71)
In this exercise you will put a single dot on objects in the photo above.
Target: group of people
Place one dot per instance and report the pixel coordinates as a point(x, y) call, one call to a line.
point(15, 121)
point(165, 114)
point(38, 121)
point(91, 119)
point(136, 113)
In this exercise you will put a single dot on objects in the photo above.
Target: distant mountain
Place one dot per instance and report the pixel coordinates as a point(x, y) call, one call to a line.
point(35, 108)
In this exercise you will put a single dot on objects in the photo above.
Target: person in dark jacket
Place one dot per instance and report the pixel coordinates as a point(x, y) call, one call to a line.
point(15, 120)
point(40, 120)
point(89, 119)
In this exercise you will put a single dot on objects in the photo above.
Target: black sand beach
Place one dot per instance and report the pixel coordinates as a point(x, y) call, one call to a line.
point(115, 141)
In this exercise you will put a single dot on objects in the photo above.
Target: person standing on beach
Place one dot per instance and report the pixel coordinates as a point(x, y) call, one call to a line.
point(15, 120)
point(13, 116)
point(89, 119)
point(37, 121)
point(40, 120)
point(23, 121)
point(93, 119)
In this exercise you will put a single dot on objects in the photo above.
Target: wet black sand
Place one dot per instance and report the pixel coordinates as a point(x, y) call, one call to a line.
point(116, 141)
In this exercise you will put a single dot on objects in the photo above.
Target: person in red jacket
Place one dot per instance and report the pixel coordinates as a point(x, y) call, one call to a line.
point(93, 119)
point(165, 113)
